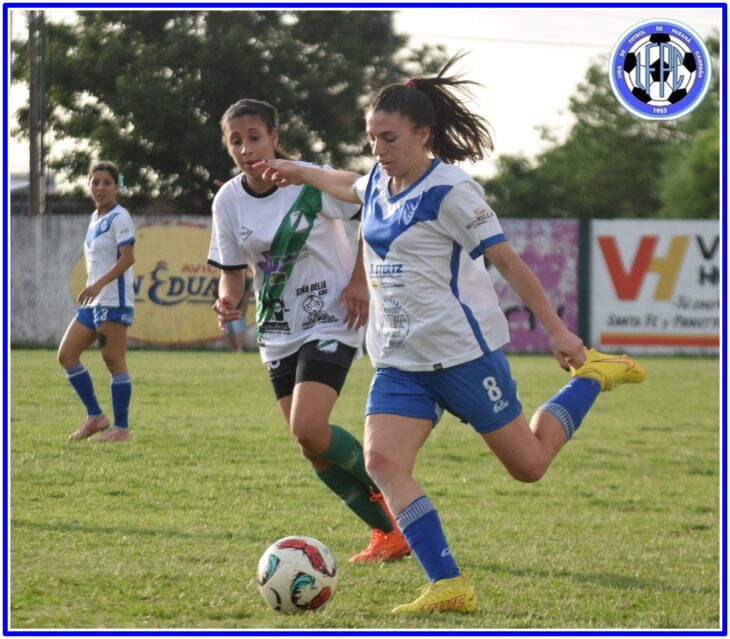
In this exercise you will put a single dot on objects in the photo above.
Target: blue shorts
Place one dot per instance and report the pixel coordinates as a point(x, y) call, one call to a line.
point(236, 326)
point(94, 316)
point(480, 392)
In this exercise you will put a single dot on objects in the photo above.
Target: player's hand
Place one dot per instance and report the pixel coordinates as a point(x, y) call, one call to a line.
point(281, 172)
point(356, 298)
point(89, 294)
point(568, 349)
point(226, 311)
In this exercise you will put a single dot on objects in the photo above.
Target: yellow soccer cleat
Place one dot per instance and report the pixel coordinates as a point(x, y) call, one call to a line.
point(445, 595)
point(609, 370)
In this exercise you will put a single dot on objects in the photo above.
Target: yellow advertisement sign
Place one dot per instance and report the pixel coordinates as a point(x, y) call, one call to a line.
point(174, 286)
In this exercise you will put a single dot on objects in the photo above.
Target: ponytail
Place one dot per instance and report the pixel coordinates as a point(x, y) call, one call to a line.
point(456, 132)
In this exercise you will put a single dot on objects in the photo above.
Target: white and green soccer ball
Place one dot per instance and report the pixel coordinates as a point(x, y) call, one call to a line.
point(297, 574)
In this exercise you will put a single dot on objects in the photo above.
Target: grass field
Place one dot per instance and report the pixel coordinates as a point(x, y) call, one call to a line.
point(166, 531)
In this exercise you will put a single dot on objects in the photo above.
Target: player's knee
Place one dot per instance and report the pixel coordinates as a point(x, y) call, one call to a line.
point(307, 435)
point(528, 473)
point(378, 466)
point(63, 359)
point(110, 362)
point(67, 357)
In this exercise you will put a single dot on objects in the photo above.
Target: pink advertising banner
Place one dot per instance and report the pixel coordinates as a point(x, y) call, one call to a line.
point(550, 249)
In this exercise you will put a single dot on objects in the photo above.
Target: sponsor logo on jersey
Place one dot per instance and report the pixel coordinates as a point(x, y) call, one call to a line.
point(409, 210)
point(385, 269)
point(395, 323)
point(281, 263)
point(386, 275)
point(480, 216)
point(244, 233)
point(500, 405)
point(314, 305)
point(300, 222)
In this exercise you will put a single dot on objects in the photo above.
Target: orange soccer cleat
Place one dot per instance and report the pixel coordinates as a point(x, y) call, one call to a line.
point(383, 546)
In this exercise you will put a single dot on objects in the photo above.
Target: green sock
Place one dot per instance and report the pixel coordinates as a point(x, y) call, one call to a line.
point(356, 496)
point(345, 451)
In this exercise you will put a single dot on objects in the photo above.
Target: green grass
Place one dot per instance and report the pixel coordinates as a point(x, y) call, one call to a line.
point(166, 532)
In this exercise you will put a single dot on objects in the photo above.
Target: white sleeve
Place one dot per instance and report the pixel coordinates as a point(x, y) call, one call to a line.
point(468, 219)
point(361, 186)
point(225, 252)
point(122, 228)
point(338, 209)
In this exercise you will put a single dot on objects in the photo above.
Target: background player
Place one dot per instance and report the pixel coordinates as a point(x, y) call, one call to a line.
point(107, 308)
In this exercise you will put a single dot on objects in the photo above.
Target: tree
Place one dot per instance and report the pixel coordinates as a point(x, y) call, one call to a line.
point(147, 89)
point(690, 185)
point(615, 165)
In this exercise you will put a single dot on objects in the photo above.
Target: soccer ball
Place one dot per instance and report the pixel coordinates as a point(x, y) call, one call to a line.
point(297, 574)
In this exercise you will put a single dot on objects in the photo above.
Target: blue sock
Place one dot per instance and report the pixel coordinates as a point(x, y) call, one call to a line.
point(80, 379)
point(421, 527)
point(572, 402)
point(121, 388)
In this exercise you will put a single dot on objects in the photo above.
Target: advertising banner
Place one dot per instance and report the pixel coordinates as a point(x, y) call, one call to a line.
point(550, 249)
point(655, 286)
point(174, 285)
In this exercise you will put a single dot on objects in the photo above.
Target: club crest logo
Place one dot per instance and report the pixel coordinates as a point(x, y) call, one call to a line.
point(660, 70)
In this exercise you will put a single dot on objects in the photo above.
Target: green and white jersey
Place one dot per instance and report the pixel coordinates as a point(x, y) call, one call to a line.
point(295, 241)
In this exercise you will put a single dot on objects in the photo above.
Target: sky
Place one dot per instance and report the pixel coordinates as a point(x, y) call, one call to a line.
point(529, 61)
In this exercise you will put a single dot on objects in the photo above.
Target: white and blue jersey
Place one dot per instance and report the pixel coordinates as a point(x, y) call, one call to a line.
point(105, 235)
point(433, 304)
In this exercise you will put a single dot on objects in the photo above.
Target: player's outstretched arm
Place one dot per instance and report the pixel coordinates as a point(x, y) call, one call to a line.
point(567, 347)
point(338, 184)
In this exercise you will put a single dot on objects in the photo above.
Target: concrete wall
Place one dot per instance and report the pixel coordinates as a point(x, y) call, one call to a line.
point(43, 250)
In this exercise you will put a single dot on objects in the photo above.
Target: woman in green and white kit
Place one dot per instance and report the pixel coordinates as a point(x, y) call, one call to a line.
point(311, 305)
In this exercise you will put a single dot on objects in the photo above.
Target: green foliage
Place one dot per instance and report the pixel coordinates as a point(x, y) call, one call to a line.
point(147, 89)
point(166, 531)
point(615, 165)
point(691, 173)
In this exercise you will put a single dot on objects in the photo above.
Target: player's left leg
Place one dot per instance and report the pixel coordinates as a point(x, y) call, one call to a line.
point(392, 443)
point(113, 345)
point(338, 461)
point(79, 336)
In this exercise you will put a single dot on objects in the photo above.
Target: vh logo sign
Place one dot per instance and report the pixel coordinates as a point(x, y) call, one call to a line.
point(628, 281)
